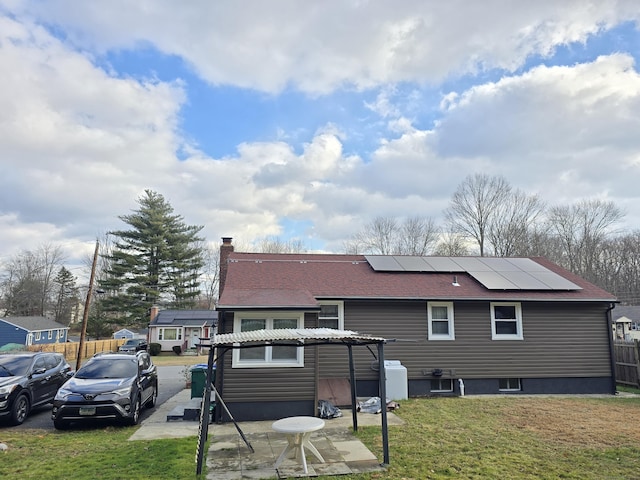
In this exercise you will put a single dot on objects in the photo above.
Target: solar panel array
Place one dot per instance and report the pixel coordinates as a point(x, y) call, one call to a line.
point(492, 272)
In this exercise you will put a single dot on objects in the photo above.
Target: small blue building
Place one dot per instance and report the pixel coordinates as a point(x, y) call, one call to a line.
point(31, 331)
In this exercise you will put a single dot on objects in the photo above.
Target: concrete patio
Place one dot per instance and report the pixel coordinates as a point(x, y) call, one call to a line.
point(229, 458)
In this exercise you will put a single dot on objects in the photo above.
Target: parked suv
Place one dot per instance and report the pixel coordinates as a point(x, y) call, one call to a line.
point(108, 386)
point(28, 380)
point(133, 345)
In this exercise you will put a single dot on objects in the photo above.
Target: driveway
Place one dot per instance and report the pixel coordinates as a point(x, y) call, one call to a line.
point(170, 381)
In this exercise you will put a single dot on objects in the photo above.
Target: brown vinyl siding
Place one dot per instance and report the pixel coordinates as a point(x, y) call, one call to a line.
point(270, 384)
point(560, 340)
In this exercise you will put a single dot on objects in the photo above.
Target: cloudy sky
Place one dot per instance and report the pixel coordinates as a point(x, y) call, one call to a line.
point(305, 120)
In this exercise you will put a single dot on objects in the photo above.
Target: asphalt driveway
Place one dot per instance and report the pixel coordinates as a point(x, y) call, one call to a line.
point(170, 381)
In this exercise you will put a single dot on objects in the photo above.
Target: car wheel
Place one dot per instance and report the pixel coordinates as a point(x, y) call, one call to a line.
point(20, 409)
point(60, 424)
point(135, 413)
point(154, 398)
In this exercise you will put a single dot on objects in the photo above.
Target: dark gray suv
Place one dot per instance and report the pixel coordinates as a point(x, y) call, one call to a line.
point(133, 345)
point(112, 386)
point(28, 380)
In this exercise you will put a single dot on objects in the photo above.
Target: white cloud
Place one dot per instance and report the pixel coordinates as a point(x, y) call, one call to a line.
point(270, 45)
point(81, 143)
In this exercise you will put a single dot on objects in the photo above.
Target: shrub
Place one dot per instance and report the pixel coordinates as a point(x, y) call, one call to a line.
point(154, 349)
point(177, 349)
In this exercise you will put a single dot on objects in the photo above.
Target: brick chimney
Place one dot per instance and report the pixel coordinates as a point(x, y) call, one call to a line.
point(225, 250)
point(153, 312)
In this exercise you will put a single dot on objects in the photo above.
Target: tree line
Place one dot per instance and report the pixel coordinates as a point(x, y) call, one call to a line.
point(159, 259)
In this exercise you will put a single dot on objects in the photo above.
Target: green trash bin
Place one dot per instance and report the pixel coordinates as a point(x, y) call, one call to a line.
point(199, 379)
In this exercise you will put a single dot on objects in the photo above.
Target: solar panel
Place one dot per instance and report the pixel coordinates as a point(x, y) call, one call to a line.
point(525, 281)
point(526, 265)
point(472, 264)
point(555, 281)
point(412, 263)
point(383, 263)
point(443, 264)
point(499, 264)
point(494, 281)
point(492, 272)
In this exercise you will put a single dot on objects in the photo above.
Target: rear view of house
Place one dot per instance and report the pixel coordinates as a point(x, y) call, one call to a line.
point(477, 325)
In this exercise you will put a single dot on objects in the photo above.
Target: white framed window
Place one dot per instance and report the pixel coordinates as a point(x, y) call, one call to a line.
point(50, 334)
point(331, 314)
point(170, 334)
point(441, 385)
point(506, 321)
point(268, 355)
point(509, 385)
point(37, 336)
point(440, 316)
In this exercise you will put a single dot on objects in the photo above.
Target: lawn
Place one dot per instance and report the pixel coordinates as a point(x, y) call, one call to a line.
point(513, 438)
point(443, 438)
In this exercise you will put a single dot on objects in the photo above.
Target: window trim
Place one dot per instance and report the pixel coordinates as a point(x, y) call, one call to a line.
point(178, 330)
point(269, 317)
point(450, 320)
point(518, 321)
point(340, 305)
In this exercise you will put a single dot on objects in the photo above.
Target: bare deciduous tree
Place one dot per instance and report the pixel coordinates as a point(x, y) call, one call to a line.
point(210, 276)
point(511, 226)
point(29, 281)
point(388, 236)
point(277, 245)
point(474, 206)
point(417, 236)
point(451, 245)
point(582, 229)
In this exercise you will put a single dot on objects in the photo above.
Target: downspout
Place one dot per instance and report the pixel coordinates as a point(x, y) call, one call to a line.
point(612, 356)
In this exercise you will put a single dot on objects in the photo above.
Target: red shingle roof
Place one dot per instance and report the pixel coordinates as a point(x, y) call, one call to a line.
point(298, 280)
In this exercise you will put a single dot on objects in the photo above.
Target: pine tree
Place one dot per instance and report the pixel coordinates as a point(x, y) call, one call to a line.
point(66, 296)
point(157, 261)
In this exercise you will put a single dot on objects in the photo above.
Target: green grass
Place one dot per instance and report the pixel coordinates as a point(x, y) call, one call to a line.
point(511, 438)
point(627, 389)
point(443, 438)
point(101, 454)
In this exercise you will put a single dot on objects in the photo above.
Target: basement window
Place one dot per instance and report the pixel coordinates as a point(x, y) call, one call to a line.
point(441, 385)
point(509, 385)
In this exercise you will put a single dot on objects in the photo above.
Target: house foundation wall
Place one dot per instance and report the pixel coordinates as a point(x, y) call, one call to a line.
point(258, 411)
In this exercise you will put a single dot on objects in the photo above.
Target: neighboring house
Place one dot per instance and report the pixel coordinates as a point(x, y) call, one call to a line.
point(478, 325)
point(31, 331)
point(183, 328)
point(626, 322)
point(126, 333)
point(123, 333)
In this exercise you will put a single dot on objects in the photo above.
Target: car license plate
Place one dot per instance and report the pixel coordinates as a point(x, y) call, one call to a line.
point(87, 411)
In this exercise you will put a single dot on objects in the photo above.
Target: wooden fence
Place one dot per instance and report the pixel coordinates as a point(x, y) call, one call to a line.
point(70, 349)
point(627, 355)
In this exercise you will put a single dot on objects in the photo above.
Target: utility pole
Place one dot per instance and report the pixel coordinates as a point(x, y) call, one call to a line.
point(87, 305)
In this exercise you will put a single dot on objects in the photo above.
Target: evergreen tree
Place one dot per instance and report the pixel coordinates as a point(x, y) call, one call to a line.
point(157, 261)
point(66, 296)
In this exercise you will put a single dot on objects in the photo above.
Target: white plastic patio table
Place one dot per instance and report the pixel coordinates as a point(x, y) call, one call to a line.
point(298, 431)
